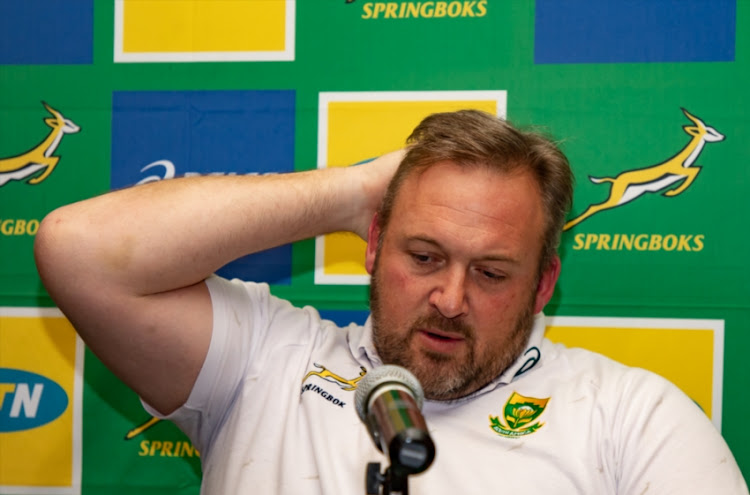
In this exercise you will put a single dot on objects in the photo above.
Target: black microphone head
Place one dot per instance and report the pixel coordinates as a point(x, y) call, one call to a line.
point(386, 374)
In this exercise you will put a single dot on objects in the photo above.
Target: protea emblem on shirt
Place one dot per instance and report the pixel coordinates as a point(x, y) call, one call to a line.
point(519, 416)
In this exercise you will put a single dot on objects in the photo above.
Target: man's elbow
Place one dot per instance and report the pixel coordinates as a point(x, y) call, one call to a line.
point(53, 246)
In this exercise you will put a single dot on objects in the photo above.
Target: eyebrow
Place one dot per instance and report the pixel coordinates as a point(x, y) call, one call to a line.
point(433, 242)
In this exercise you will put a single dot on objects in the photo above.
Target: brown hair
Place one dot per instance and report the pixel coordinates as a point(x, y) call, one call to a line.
point(475, 138)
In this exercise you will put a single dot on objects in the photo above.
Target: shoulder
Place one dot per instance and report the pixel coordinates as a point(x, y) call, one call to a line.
point(246, 306)
point(243, 297)
point(602, 373)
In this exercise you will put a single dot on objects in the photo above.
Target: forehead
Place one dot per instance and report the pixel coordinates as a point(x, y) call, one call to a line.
point(473, 204)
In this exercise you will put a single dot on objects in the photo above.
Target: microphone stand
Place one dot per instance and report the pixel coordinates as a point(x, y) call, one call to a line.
point(393, 481)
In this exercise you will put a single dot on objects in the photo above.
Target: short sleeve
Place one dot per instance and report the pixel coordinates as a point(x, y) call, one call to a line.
point(240, 319)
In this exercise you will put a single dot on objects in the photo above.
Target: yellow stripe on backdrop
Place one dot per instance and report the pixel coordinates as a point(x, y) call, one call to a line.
point(41, 365)
point(358, 126)
point(204, 30)
point(689, 353)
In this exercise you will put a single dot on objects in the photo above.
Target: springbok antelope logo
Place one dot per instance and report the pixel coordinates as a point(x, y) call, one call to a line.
point(332, 377)
point(631, 184)
point(40, 157)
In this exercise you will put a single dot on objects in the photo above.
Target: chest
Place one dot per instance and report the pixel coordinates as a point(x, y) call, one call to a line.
point(304, 436)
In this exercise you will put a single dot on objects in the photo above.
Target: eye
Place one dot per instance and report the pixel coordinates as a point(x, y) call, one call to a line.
point(421, 258)
point(491, 275)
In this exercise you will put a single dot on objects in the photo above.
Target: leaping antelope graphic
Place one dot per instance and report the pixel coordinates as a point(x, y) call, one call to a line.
point(332, 377)
point(631, 184)
point(40, 157)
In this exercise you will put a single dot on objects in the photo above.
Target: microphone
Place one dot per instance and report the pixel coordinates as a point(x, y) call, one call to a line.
point(389, 401)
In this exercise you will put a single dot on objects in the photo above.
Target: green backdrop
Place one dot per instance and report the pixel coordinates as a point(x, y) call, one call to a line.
point(609, 83)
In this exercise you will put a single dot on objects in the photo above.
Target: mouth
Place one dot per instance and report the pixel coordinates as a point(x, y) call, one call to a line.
point(440, 341)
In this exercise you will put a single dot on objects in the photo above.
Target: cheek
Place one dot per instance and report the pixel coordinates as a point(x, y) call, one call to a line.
point(401, 290)
point(496, 305)
point(496, 315)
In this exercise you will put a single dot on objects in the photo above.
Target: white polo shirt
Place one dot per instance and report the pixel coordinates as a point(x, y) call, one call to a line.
point(272, 412)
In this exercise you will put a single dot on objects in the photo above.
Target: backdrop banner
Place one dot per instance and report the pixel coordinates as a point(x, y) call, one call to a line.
point(645, 98)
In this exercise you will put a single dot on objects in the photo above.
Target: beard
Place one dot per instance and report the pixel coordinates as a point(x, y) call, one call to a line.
point(447, 376)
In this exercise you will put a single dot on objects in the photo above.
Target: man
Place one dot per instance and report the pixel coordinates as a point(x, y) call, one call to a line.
point(462, 253)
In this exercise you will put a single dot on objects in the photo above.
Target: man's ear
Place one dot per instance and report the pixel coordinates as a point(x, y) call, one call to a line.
point(373, 233)
point(547, 283)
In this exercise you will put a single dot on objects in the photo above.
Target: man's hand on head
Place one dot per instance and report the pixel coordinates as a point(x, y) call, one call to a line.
point(376, 175)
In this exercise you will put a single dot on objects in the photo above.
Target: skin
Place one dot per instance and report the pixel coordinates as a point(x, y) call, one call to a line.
point(456, 278)
point(127, 268)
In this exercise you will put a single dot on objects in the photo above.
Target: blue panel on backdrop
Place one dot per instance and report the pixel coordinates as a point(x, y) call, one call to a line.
point(343, 318)
point(46, 32)
point(159, 135)
point(582, 31)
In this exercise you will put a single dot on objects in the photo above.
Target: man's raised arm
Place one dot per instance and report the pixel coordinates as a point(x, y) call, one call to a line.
point(127, 268)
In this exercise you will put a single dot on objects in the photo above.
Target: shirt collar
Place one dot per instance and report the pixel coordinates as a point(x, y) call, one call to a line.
point(362, 346)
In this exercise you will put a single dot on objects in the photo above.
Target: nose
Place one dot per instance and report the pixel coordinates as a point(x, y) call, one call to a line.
point(449, 296)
